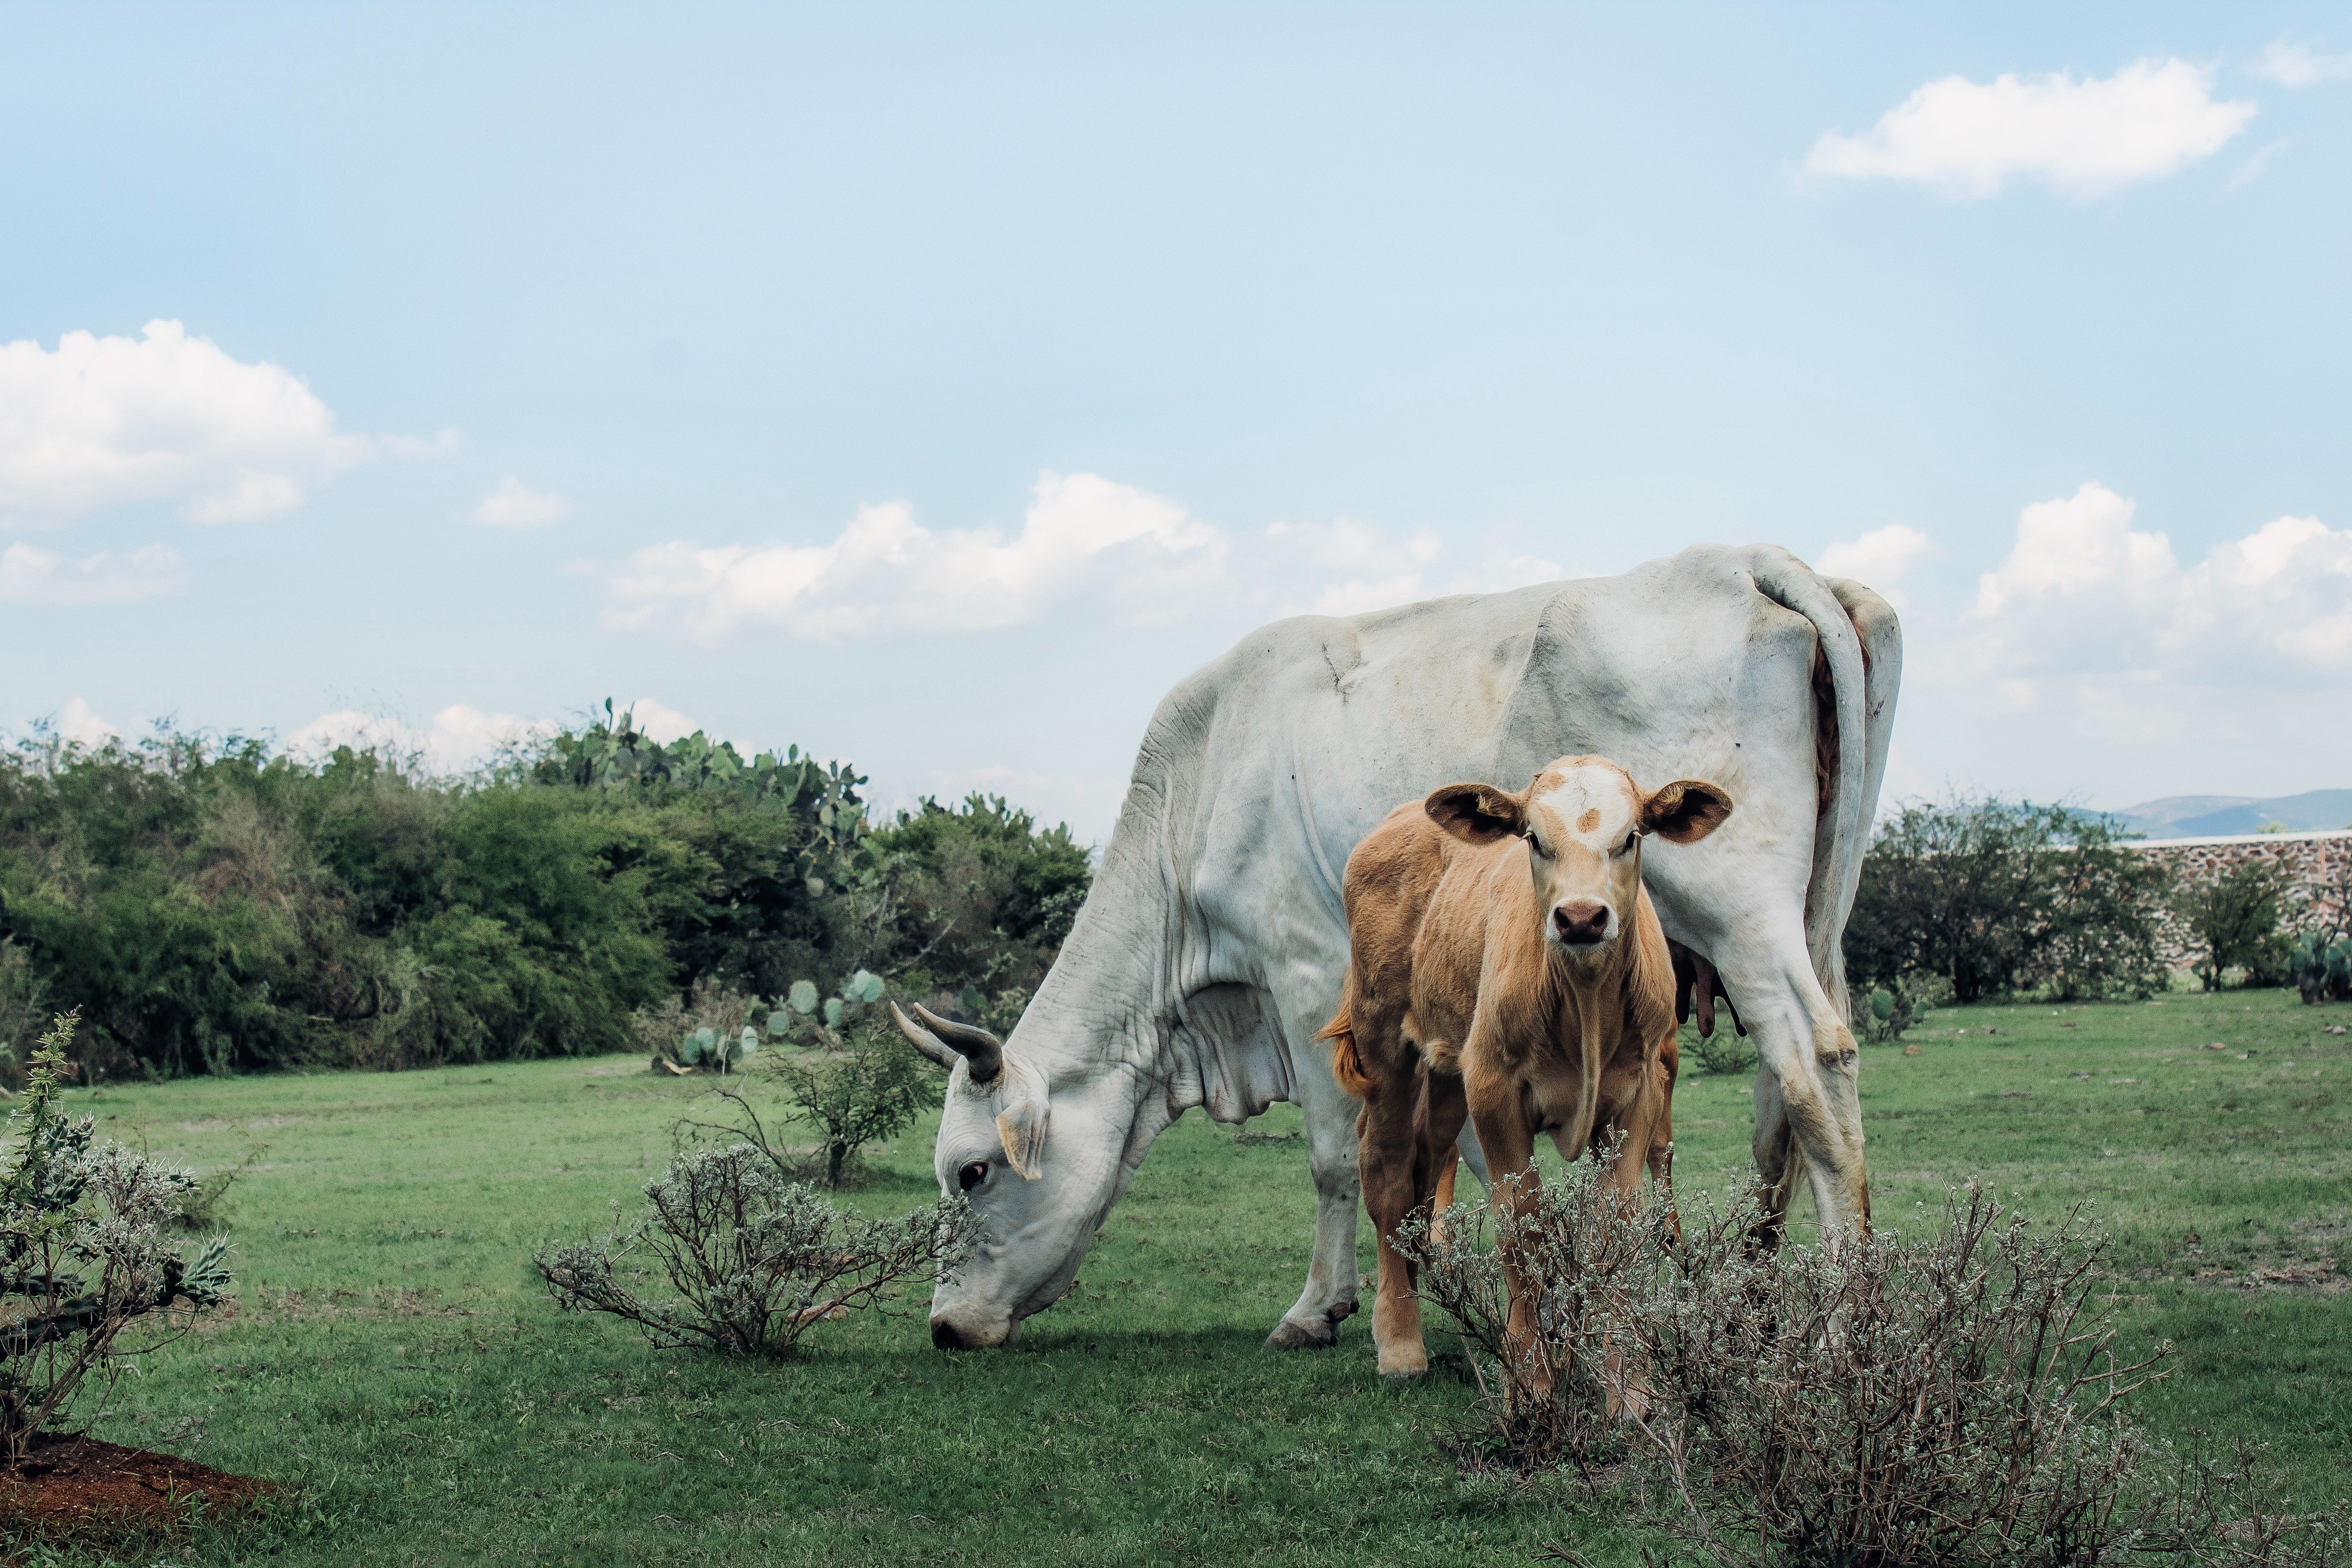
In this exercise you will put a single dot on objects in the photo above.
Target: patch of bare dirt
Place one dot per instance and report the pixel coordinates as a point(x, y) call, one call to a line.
point(83, 1487)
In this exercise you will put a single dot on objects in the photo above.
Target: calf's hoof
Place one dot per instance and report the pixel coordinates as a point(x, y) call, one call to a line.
point(1292, 1335)
point(1405, 1364)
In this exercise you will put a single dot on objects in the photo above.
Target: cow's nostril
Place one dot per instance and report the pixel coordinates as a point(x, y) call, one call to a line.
point(944, 1335)
point(1581, 922)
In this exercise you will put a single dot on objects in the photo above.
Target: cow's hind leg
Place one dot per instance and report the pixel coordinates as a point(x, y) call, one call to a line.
point(1329, 1297)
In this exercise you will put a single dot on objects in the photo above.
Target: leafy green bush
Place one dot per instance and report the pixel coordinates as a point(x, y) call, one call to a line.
point(83, 1253)
point(979, 897)
point(865, 1083)
point(2234, 917)
point(1993, 895)
point(209, 905)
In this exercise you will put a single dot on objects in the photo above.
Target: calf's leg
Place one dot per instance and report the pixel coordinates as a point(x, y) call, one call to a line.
point(1509, 1142)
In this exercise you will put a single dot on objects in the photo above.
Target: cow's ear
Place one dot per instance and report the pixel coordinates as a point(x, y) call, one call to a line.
point(1028, 1104)
point(1477, 813)
point(1685, 810)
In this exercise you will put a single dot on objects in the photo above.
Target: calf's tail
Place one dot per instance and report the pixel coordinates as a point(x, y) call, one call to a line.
point(1347, 1065)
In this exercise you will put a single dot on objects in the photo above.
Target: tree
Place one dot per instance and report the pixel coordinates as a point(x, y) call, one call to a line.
point(980, 895)
point(1994, 895)
point(2234, 917)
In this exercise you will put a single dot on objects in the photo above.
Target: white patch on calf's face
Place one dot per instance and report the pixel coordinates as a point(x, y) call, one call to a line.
point(1579, 831)
point(1593, 805)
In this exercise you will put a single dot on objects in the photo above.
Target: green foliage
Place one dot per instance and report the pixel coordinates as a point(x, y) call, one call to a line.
point(2234, 917)
point(1890, 1009)
point(709, 1028)
point(980, 896)
point(23, 995)
point(1725, 1052)
point(2320, 970)
point(83, 1255)
point(1996, 896)
point(210, 906)
point(860, 1086)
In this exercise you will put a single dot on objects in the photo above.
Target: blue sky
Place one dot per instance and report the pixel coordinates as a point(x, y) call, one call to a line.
point(529, 355)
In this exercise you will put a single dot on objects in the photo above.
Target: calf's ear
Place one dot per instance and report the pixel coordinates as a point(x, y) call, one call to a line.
point(1477, 813)
point(1685, 810)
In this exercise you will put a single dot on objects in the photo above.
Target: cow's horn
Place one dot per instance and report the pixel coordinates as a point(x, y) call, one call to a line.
point(945, 1039)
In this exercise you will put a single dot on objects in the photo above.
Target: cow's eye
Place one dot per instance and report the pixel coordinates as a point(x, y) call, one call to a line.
point(1535, 844)
point(1630, 840)
point(972, 1175)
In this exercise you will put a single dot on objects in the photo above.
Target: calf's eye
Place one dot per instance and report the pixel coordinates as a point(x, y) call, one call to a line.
point(972, 1175)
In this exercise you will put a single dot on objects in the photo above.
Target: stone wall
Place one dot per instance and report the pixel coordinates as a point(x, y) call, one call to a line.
point(2319, 863)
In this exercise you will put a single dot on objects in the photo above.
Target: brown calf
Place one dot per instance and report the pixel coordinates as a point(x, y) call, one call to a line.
point(1527, 989)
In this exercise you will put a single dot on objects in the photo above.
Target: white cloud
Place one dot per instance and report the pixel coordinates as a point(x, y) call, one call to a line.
point(460, 735)
point(2086, 593)
point(2299, 65)
point(1085, 541)
point(2095, 663)
point(885, 573)
point(515, 506)
point(2084, 137)
point(75, 722)
point(97, 422)
point(29, 575)
point(1879, 559)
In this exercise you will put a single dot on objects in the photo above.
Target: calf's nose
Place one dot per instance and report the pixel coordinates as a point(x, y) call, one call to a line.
point(1581, 922)
point(944, 1335)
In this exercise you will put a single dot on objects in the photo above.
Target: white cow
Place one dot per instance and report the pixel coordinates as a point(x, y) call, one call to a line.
point(1212, 946)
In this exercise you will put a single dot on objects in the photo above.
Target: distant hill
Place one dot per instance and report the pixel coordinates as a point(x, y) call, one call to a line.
point(2202, 816)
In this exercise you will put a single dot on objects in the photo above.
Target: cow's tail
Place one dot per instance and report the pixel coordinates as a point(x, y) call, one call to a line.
point(1857, 663)
point(1347, 1065)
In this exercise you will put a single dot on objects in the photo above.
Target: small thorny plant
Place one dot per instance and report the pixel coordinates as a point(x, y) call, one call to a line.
point(733, 1255)
point(84, 1252)
point(1954, 1398)
point(863, 1084)
point(1545, 1401)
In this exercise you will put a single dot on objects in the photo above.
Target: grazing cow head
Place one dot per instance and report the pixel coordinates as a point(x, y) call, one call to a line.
point(993, 1148)
point(1584, 820)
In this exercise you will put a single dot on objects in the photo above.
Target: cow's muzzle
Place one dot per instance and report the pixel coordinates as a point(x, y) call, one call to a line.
point(948, 1334)
point(1580, 923)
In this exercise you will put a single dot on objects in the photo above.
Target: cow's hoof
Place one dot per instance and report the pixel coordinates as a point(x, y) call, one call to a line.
point(1292, 1335)
point(1404, 1375)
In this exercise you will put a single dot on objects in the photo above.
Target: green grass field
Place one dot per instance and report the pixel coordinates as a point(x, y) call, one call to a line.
point(392, 1357)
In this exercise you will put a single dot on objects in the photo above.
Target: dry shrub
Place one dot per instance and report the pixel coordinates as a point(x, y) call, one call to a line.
point(733, 1255)
point(1950, 1397)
